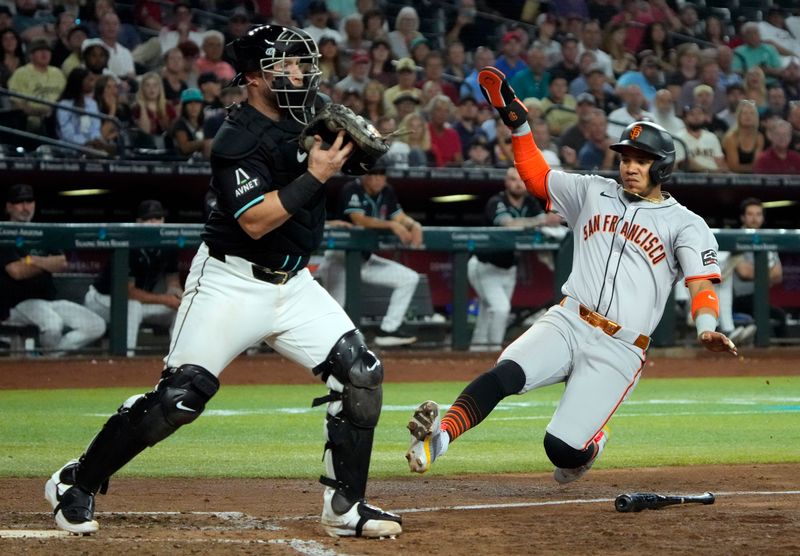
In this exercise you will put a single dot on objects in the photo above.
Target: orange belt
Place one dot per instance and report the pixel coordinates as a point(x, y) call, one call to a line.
point(606, 325)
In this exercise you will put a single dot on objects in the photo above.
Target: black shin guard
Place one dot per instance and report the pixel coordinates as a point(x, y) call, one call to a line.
point(142, 421)
point(565, 456)
point(350, 450)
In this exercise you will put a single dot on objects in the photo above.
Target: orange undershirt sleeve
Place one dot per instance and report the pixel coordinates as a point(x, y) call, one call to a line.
point(532, 166)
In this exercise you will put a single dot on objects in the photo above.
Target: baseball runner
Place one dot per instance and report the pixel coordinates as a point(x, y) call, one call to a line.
point(371, 202)
point(493, 274)
point(248, 282)
point(632, 243)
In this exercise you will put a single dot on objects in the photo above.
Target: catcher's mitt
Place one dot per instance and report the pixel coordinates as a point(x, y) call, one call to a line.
point(368, 145)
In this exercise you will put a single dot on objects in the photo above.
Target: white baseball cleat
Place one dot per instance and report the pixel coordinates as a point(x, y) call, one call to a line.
point(73, 507)
point(563, 475)
point(361, 520)
point(425, 427)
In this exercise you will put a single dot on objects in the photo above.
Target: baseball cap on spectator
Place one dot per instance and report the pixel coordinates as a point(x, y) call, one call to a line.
point(150, 209)
point(89, 43)
point(586, 98)
point(359, 56)
point(189, 49)
point(405, 64)
point(207, 77)
point(191, 95)
point(406, 96)
point(595, 68)
point(702, 88)
point(19, 193)
point(416, 42)
point(546, 17)
point(513, 35)
point(317, 7)
point(39, 44)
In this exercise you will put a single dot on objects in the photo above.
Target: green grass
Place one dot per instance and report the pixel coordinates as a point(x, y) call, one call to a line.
point(270, 431)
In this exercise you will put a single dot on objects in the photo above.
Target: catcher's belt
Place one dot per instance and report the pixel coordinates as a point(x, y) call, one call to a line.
point(606, 325)
point(277, 277)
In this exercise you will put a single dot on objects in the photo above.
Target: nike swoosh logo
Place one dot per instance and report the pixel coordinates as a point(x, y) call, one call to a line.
point(180, 405)
point(604, 194)
point(301, 156)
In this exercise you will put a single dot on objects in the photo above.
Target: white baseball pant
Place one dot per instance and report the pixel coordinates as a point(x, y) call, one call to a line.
point(494, 286)
point(54, 317)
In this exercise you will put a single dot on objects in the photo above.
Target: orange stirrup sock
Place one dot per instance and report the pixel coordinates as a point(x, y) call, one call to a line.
point(530, 163)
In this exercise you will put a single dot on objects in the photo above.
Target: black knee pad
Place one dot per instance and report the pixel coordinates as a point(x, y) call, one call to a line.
point(509, 376)
point(361, 374)
point(563, 455)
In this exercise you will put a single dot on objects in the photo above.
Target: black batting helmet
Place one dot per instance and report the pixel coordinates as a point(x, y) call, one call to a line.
point(654, 140)
point(266, 49)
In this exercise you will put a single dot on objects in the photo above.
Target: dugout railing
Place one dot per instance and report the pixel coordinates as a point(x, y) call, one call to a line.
point(461, 242)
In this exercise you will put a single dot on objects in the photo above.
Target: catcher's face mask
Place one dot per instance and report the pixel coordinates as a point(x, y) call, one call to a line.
point(293, 64)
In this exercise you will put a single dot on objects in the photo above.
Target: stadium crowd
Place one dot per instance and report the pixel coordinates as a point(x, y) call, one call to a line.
point(724, 82)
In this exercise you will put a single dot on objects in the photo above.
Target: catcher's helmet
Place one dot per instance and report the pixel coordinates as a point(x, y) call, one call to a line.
point(266, 48)
point(654, 140)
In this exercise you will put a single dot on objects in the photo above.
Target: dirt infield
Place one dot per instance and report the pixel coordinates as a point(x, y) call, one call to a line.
point(757, 509)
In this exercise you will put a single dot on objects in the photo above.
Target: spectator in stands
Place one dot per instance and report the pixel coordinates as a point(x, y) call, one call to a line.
point(743, 142)
point(13, 55)
point(371, 202)
point(406, 29)
point(75, 38)
point(283, 13)
point(29, 293)
point(604, 96)
point(331, 63)
point(6, 18)
point(213, 120)
point(375, 27)
point(238, 25)
point(151, 112)
point(352, 99)
point(704, 152)
point(546, 38)
point(614, 45)
point(756, 53)
point(211, 88)
point(76, 128)
point(591, 41)
point(397, 156)
point(154, 288)
point(794, 120)
point(658, 41)
point(172, 75)
point(358, 75)
point(445, 141)
point(533, 81)
point(94, 55)
point(39, 79)
point(708, 75)
point(493, 275)
point(352, 31)
point(648, 78)
point(632, 110)
point(212, 61)
point(418, 138)
point(774, 31)
point(187, 133)
point(468, 28)
point(483, 57)
point(777, 105)
point(687, 61)
point(374, 108)
point(755, 87)
point(586, 61)
point(433, 70)
point(466, 122)
point(595, 154)
point(120, 61)
point(381, 68)
point(31, 22)
point(61, 48)
point(725, 61)
point(406, 103)
point(664, 113)
point(568, 66)
point(456, 62)
point(510, 62)
point(317, 22)
point(479, 152)
point(778, 158)
point(502, 150)
point(109, 102)
point(556, 99)
point(636, 15)
point(791, 79)
point(419, 50)
point(752, 218)
point(545, 142)
point(181, 29)
point(406, 71)
point(690, 27)
point(704, 97)
point(734, 93)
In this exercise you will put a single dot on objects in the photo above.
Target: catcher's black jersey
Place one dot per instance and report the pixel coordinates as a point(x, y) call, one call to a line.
point(498, 209)
point(252, 155)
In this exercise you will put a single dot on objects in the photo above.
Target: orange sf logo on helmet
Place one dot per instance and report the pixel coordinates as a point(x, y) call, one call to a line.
point(636, 131)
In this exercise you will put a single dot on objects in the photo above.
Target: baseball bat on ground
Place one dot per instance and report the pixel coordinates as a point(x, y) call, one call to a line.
point(638, 501)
